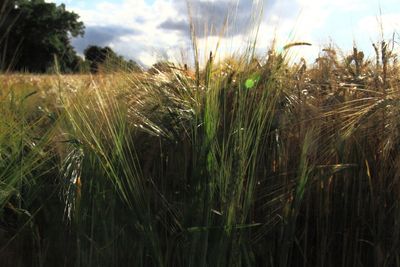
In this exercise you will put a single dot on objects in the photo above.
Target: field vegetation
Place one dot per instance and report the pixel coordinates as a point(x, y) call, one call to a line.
point(249, 161)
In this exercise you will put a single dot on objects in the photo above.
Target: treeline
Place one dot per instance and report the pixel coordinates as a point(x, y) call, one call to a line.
point(35, 36)
point(104, 58)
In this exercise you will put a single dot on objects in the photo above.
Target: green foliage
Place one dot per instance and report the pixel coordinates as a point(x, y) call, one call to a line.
point(34, 33)
point(106, 58)
point(97, 55)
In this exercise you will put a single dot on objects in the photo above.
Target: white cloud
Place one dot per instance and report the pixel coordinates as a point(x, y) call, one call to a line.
point(135, 15)
point(312, 21)
point(389, 22)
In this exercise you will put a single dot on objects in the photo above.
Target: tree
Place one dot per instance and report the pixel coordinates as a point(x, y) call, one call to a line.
point(35, 33)
point(105, 56)
point(97, 56)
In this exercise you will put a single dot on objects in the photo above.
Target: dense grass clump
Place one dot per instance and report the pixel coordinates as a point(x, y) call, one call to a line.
point(248, 162)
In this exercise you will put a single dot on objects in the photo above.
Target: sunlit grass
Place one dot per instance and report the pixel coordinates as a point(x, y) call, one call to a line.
point(253, 164)
point(243, 162)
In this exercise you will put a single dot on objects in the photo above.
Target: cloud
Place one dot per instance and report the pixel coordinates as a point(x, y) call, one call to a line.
point(164, 25)
point(175, 25)
point(151, 30)
point(102, 36)
point(211, 18)
point(389, 23)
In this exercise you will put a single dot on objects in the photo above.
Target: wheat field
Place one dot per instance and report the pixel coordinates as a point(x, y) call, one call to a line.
point(246, 162)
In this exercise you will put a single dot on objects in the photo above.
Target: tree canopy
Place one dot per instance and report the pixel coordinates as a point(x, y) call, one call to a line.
point(33, 33)
point(104, 56)
point(97, 55)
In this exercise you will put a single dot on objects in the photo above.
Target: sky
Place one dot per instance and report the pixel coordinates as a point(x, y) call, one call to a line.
point(152, 30)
